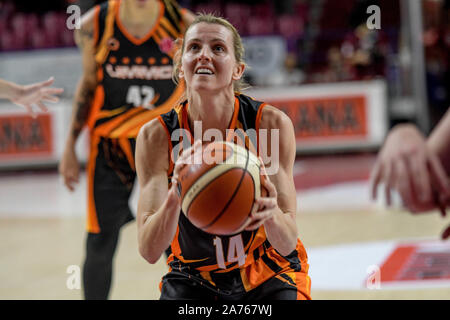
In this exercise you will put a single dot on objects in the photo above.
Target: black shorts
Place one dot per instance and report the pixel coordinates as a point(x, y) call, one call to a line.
point(179, 285)
point(110, 183)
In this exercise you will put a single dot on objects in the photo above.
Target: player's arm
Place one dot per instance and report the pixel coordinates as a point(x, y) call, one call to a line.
point(158, 206)
point(280, 206)
point(439, 141)
point(407, 164)
point(84, 38)
point(8, 90)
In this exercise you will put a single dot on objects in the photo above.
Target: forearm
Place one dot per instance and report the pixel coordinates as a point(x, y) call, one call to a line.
point(281, 231)
point(81, 107)
point(157, 230)
point(439, 141)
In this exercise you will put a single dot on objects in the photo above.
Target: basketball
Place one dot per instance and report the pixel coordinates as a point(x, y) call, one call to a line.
point(218, 192)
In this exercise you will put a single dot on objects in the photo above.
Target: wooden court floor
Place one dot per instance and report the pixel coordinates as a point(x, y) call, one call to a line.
point(35, 253)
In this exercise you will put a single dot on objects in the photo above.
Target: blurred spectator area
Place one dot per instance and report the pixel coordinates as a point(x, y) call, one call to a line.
point(256, 18)
point(436, 39)
point(318, 33)
point(340, 47)
point(323, 35)
point(34, 25)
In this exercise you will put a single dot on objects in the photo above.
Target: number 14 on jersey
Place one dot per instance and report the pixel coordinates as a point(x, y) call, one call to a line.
point(235, 251)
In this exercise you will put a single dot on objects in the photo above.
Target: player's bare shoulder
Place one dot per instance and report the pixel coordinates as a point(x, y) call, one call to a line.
point(153, 131)
point(274, 118)
point(280, 130)
point(86, 33)
point(152, 145)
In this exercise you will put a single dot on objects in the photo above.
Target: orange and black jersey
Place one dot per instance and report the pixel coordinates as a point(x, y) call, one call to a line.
point(247, 254)
point(134, 75)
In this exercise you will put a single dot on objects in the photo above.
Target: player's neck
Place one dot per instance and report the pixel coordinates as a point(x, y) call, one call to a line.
point(134, 16)
point(214, 111)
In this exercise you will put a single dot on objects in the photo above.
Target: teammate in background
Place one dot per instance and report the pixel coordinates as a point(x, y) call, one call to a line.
point(27, 96)
point(417, 167)
point(127, 49)
point(266, 260)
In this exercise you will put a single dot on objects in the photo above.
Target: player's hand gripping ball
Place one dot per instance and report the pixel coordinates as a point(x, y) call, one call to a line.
point(218, 191)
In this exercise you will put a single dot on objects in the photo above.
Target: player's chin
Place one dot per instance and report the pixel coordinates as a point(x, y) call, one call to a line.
point(208, 82)
point(202, 86)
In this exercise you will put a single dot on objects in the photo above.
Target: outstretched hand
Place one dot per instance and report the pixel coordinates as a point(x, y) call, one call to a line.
point(36, 94)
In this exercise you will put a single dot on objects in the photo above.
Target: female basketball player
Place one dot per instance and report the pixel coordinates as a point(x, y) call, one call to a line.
point(417, 167)
point(266, 260)
point(30, 95)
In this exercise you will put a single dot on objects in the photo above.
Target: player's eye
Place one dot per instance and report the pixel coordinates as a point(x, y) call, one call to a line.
point(193, 46)
point(219, 48)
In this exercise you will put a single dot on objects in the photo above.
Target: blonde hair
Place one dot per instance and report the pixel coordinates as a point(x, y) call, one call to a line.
point(238, 85)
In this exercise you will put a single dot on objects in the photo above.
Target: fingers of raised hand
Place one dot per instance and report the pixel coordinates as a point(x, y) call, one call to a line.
point(52, 91)
point(420, 178)
point(375, 178)
point(187, 154)
point(42, 106)
point(179, 165)
point(29, 110)
point(389, 179)
point(45, 83)
point(266, 182)
point(270, 187)
point(266, 203)
point(404, 184)
point(442, 206)
point(446, 233)
point(174, 192)
point(185, 158)
point(257, 219)
point(264, 209)
point(425, 185)
point(439, 177)
point(50, 98)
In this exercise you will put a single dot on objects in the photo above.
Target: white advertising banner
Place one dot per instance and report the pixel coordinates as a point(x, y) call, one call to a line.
point(27, 142)
point(346, 116)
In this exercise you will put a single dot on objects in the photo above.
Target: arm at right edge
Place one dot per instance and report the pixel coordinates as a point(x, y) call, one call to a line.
point(439, 141)
point(158, 206)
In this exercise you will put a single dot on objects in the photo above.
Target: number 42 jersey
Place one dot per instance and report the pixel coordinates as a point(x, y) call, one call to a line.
point(134, 75)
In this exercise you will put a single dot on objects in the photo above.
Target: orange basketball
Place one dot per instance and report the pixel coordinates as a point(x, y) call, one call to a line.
point(218, 192)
